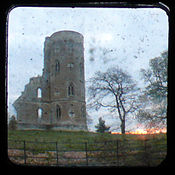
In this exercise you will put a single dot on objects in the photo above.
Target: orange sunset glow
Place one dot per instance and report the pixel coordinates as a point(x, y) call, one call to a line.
point(145, 131)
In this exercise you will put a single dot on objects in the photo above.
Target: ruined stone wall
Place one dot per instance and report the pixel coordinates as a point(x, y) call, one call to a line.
point(62, 85)
point(28, 103)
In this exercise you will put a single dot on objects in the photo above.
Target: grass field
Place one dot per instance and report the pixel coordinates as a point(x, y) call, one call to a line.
point(133, 150)
point(76, 136)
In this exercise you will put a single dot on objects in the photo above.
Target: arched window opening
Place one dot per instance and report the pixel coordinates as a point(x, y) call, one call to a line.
point(70, 66)
point(81, 68)
point(39, 93)
point(58, 112)
point(57, 66)
point(40, 113)
point(83, 112)
point(71, 113)
point(71, 90)
point(57, 48)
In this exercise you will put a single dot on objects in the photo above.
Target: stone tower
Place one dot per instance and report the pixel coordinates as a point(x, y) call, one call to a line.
point(57, 98)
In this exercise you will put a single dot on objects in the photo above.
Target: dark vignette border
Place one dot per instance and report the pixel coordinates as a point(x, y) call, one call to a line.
point(9, 5)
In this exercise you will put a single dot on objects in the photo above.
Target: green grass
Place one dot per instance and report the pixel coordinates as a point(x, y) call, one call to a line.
point(78, 136)
point(59, 136)
point(131, 148)
point(73, 139)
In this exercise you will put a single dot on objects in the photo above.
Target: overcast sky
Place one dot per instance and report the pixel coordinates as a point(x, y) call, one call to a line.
point(127, 38)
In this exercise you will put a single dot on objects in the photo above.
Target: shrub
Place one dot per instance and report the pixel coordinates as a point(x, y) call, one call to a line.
point(12, 123)
point(101, 127)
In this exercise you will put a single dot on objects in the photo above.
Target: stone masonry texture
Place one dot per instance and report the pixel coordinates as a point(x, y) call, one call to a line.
point(56, 100)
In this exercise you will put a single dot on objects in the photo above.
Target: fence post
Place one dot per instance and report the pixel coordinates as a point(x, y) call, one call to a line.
point(86, 150)
point(117, 153)
point(147, 153)
point(57, 152)
point(24, 151)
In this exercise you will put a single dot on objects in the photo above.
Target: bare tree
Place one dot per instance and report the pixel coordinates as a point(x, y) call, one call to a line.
point(156, 78)
point(155, 92)
point(114, 90)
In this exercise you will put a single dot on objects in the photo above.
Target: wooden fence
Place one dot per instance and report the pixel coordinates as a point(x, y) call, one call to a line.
point(107, 153)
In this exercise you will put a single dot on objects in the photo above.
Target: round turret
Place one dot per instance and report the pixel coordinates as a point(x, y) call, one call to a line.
point(64, 63)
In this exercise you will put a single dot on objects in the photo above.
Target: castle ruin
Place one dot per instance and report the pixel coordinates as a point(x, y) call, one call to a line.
point(57, 98)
